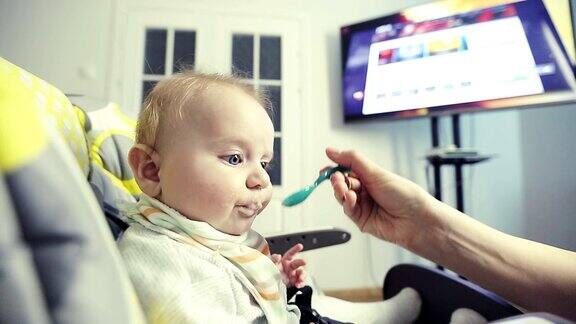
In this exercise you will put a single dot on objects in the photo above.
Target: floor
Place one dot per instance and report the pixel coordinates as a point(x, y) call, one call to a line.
point(367, 294)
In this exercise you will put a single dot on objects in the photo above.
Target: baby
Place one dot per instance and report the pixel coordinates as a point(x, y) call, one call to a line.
point(203, 143)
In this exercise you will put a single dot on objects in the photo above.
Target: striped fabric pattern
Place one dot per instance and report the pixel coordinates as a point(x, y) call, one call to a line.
point(248, 252)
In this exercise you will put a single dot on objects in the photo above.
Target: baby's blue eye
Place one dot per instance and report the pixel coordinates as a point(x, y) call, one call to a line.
point(234, 159)
point(265, 164)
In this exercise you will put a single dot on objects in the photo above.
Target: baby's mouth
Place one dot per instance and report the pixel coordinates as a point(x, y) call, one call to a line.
point(249, 210)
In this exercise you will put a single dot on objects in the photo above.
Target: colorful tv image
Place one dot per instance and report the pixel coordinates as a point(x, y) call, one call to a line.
point(459, 56)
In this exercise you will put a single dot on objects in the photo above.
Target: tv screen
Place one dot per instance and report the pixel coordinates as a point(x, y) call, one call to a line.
point(457, 56)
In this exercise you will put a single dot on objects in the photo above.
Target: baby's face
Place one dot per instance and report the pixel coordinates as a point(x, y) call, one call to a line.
point(213, 170)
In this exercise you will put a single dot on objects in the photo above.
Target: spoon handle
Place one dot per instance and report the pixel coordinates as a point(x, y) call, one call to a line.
point(326, 174)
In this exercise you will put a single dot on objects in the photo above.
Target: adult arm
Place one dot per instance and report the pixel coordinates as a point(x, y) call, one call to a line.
point(534, 276)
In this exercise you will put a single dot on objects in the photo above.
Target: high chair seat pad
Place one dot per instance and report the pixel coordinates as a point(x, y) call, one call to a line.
point(59, 223)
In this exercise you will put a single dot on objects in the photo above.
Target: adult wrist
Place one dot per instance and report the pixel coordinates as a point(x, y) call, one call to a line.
point(432, 229)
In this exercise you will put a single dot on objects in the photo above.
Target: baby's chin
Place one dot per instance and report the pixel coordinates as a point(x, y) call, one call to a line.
point(234, 232)
point(238, 229)
point(241, 224)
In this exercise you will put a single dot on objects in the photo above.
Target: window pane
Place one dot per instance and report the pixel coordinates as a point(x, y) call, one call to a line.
point(270, 58)
point(275, 170)
point(243, 55)
point(274, 93)
point(155, 51)
point(146, 88)
point(184, 50)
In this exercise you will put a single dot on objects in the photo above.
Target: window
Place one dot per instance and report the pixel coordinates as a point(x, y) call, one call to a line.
point(257, 60)
point(265, 53)
point(166, 51)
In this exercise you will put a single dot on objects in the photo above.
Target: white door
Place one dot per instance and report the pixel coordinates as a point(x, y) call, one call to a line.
point(153, 44)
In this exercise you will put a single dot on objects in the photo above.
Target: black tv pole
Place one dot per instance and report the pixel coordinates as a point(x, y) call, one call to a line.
point(454, 156)
point(436, 166)
point(458, 166)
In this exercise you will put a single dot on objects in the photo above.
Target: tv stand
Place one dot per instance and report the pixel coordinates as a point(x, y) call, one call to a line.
point(451, 155)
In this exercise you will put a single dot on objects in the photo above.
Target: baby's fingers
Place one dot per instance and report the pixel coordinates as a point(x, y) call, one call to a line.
point(296, 264)
point(289, 255)
point(276, 258)
point(300, 277)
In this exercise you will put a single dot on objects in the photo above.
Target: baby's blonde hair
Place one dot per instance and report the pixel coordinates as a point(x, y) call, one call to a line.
point(168, 98)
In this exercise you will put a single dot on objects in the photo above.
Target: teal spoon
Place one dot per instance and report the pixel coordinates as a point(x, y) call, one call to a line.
point(301, 195)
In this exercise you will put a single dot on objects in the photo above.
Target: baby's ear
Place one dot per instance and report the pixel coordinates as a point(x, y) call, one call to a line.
point(145, 165)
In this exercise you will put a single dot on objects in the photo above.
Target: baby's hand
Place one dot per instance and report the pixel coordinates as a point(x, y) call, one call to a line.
point(291, 269)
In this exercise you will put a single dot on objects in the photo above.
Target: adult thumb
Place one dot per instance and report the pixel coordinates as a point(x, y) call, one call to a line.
point(352, 159)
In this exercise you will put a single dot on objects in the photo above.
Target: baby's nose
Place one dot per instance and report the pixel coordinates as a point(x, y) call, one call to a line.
point(259, 179)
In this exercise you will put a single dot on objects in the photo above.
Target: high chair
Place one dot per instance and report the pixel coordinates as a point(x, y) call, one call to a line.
point(62, 173)
point(58, 260)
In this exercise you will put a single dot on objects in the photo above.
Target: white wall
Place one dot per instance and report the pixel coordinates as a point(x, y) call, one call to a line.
point(549, 155)
point(69, 43)
point(65, 42)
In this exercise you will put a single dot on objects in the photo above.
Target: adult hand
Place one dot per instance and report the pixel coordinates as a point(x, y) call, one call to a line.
point(380, 202)
point(533, 275)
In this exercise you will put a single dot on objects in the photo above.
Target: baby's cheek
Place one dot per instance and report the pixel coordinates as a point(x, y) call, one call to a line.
point(218, 195)
point(267, 196)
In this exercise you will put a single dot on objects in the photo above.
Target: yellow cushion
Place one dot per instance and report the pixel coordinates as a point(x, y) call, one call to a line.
point(110, 135)
point(55, 109)
point(59, 208)
point(22, 135)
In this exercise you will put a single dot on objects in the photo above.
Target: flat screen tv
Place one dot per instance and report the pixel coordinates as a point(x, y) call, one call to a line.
point(456, 56)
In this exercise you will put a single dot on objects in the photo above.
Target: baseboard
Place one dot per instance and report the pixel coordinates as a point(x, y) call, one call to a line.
point(368, 294)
